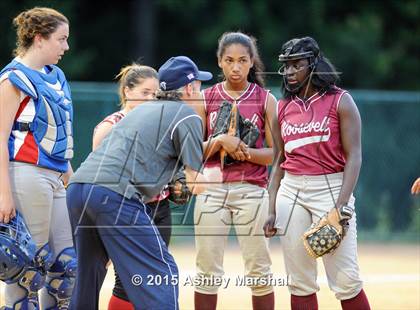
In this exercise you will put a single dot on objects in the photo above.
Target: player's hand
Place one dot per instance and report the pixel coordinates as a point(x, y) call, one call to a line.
point(269, 229)
point(415, 189)
point(232, 144)
point(65, 177)
point(7, 208)
point(241, 154)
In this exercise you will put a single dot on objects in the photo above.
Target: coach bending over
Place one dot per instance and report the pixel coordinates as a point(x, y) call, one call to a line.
point(106, 194)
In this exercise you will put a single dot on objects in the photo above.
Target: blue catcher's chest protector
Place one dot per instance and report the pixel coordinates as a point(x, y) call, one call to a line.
point(52, 124)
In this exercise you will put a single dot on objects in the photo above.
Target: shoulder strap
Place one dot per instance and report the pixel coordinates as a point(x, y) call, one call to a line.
point(22, 82)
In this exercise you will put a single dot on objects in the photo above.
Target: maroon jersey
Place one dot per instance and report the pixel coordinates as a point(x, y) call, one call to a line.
point(251, 105)
point(311, 134)
point(112, 119)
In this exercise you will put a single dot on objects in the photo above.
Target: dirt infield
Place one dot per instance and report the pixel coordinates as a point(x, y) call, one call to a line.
point(391, 274)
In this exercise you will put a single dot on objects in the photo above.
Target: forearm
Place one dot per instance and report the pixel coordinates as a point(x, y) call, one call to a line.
point(211, 147)
point(263, 156)
point(350, 177)
point(4, 170)
point(277, 173)
point(196, 181)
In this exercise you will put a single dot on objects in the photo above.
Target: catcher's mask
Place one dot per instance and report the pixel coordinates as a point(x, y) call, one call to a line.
point(304, 48)
point(17, 249)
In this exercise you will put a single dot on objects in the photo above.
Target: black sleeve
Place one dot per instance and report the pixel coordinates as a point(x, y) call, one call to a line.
point(188, 141)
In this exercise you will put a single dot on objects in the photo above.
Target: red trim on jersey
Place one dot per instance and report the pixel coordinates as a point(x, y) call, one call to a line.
point(28, 152)
point(111, 119)
point(22, 106)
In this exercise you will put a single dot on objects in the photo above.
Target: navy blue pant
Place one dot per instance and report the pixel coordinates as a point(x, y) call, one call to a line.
point(160, 212)
point(107, 225)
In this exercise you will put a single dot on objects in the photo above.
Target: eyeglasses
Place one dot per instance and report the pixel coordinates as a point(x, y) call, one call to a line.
point(290, 69)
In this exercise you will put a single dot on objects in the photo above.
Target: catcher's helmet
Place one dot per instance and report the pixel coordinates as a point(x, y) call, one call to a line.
point(303, 48)
point(17, 249)
point(322, 73)
point(299, 49)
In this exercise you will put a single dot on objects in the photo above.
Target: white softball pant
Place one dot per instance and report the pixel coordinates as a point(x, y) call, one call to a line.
point(243, 206)
point(40, 197)
point(302, 200)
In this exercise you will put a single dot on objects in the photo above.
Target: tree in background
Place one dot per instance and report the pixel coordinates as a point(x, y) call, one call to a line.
point(373, 43)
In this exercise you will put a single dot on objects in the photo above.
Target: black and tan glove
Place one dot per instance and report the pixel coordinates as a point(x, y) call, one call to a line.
point(230, 121)
point(179, 193)
point(326, 235)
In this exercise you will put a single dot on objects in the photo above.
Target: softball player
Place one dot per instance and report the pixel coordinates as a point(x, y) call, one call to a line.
point(137, 84)
point(36, 145)
point(237, 195)
point(317, 149)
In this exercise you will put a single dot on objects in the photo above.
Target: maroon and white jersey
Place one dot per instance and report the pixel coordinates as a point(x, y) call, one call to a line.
point(311, 134)
point(251, 105)
point(112, 119)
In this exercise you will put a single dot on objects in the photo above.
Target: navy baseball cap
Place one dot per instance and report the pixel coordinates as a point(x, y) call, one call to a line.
point(180, 71)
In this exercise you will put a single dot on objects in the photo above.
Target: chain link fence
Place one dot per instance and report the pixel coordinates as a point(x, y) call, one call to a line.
point(391, 156)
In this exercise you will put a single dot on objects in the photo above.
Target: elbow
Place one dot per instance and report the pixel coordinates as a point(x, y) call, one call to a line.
point(358, 158)
point(268, 161)
point(265, 158)
point(279, 159)
point(355, 159)
point(359, 161)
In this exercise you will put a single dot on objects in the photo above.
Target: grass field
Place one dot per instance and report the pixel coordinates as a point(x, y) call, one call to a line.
point(391, 274)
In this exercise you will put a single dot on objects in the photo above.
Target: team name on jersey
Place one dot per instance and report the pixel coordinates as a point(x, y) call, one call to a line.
point(292, 129)
point(308, 130)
